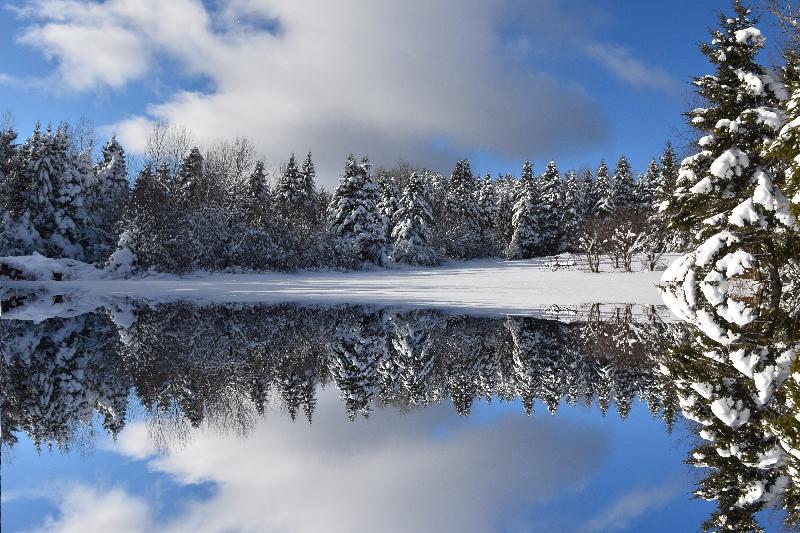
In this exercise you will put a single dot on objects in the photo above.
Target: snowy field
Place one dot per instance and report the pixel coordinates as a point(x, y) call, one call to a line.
point(486, 286)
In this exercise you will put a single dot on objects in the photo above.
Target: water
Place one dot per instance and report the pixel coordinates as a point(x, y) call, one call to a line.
point(137, 416)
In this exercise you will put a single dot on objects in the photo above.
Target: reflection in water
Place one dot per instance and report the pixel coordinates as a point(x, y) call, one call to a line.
point(222, 364)
point(738, 380)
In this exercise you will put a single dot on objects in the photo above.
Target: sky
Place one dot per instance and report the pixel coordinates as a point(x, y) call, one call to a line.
point(424, 470)
point(427, 82)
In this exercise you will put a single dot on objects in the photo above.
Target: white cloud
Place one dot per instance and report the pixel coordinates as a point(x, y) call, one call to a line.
point(631, 506)
point(392, 79)
point(621, 62)
point(84, 509)
point(428, 470)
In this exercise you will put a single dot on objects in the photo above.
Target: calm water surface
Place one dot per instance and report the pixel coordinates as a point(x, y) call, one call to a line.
point(136, 416)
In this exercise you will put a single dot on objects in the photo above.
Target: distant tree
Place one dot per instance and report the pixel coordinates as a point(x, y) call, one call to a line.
point(604, 192)
point(623, 194)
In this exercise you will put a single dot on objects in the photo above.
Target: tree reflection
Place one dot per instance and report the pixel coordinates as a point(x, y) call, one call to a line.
point(224, 365)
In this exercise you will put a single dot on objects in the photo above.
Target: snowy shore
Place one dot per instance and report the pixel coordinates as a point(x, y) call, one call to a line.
point(486, 286)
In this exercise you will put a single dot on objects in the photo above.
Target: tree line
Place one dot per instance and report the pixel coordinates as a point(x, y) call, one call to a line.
point(219, 209)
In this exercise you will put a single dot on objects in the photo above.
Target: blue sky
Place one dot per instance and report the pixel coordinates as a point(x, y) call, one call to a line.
point(573, 80)
point(497, 470)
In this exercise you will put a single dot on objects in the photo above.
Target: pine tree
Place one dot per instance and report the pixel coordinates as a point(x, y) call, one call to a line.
point(411, 236)
point(487, 215)
point(550, 209)
point(669, 173)
point(309, 173)
point(604, 192)
point(354, 221)
point(258, 192)
point(70, 202)
point(623, 186)
point(647, 187)
point(188, 183)
point(463, 228)
point(526, 240)
point(389, 202)
point(572, 210)
point(588, 194)
point(295, 190)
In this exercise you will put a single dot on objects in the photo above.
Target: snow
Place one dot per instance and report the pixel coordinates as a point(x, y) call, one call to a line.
point(37, 267)
point(491, 286)
point(730, 163)
point(749, 35)
point(744, 362)
point(730, 412)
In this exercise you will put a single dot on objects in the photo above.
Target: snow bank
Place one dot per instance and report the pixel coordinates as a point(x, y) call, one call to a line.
point(37, 267)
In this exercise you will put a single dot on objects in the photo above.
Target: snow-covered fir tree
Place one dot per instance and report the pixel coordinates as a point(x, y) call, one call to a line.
point(572, 212)
point(411, 236)
point(603, 192)
point(109, 193)
point(258, 192)
point(463, 227)
point(526, 240)
point(624, 194)
point(550, 209)
point(389, 202)
point(588, 194)
point(354, 221)
point(647, 187)
point(487, 215)
point(187, 186)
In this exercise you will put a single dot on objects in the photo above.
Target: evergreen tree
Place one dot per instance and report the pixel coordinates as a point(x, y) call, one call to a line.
point(309, 178)
point(487, 215)
point(604, 192)
point(354, 221)
point(526, 240)
point(411, 236)
point(505, 190)
point(588, 194)
point(188, 183)
point(647, 187)
point(572, 210)
point(669, 173)
point(623, 186)
point(71, 216)
point(258, 192)
point(463, 228)
point(551, 209)
point(389, 202)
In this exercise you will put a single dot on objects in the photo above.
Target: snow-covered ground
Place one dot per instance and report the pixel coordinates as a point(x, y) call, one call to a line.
point(485, 286)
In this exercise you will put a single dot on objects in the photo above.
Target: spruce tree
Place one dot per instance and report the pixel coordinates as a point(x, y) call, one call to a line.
point(389, 202)
point(526, 240)
point(669, 173)
point(588, 194)
point(354, 221)
point(623, 186)
point(258, 192)
point(411, 236)
point(647, 187)
point(550, 209)
point(463, 228)
point(188, 182)
point(572, 211)
point(604, 192)
point(487, 215)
